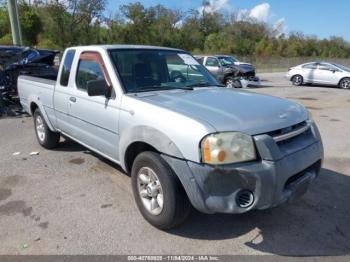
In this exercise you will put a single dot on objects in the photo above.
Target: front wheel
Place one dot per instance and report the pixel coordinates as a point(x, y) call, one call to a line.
point(231, 82)
point(45, 136)
point(158, 192)
point(345, 83)
point(297, 80)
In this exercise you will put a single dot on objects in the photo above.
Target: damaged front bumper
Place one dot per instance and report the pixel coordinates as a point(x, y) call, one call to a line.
point(283, 173)
point(250, 82)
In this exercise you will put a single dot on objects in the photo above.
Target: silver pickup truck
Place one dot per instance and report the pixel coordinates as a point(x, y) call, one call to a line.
point(185, 140)
point(229, 71)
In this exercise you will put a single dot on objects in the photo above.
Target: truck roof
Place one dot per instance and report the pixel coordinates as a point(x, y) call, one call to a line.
point(106, 47)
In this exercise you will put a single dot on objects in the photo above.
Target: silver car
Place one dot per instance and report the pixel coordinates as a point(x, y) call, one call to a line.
point(323, 73)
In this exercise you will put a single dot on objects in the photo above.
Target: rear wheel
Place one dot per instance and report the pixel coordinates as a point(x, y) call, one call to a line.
point(345, 83)
point(45, 136)
point(297, 80)
point(158, 192)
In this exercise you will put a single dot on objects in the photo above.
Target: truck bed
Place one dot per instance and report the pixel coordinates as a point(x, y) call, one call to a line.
point(32, 89)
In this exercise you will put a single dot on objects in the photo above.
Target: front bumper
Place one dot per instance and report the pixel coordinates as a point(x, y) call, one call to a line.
point(283, 173)
point(254, 82)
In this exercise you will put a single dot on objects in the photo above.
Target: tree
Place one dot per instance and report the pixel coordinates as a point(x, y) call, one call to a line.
point(61, 23)
point(30, 24)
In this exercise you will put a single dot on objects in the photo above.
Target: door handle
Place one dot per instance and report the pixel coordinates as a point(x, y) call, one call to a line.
point(73, 99)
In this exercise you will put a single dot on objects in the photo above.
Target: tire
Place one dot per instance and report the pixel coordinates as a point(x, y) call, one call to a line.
point(297, 80)
point(173, 206)
point(45, 136)
point(345, 83)
point(231, 82)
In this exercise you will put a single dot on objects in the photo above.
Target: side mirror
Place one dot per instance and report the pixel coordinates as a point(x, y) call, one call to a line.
point(98, 88)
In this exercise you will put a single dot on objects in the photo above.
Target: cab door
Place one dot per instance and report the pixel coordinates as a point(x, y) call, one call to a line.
point(62, 93)
point(94, 119)
point(213, 65)
point(328, 74)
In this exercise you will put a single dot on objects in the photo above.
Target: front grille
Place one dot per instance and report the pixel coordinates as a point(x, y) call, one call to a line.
point(285, 134)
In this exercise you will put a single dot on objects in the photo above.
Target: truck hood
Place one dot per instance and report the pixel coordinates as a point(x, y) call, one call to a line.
point(243, 68)
point(231, 110)
point(242, 63)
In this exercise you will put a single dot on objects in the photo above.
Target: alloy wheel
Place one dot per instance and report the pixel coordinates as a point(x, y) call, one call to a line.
point(40, 128)
point(150, 190)
point(345, 84)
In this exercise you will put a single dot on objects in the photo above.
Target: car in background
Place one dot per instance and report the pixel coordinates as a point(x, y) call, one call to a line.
point(229, 71)
point(323, 73)
point(21, 60)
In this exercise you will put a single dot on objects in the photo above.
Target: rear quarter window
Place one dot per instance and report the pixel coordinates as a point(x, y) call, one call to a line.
point(310, 66)
point(66, 67)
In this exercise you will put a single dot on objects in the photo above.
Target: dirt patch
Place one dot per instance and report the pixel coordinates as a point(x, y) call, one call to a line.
point(307, 98)
point(35, 218)
point(44, 225)
point(106, 205)
point(15, 207)
point(10, 181)
point(77, 161)
point(102, 166)
point(314, 108)
point(5, 193)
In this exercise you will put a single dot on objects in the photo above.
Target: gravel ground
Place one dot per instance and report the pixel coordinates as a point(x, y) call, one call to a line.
point(70, 201)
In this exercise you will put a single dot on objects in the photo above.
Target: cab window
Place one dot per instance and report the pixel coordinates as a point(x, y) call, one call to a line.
point(323, 66)
point(310, 66)
point(211, 61)
point(66, 67)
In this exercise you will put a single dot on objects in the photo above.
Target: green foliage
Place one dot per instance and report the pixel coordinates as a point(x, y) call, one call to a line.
point(30, 24)
point(61, 23)
point(6, 40)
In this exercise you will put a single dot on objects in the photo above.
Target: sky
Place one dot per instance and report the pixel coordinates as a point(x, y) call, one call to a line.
point(321, 18)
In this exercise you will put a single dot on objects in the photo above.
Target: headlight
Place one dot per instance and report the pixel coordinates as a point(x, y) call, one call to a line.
point(228, 147)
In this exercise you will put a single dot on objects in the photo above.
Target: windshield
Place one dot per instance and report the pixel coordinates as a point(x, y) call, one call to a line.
point(143, 70)
point(227, 60)
point(347, 69)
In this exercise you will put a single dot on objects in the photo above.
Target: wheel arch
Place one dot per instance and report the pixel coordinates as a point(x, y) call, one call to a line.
point(142, 138)
point(35, 104)
point(343, 79)
point(133, 150)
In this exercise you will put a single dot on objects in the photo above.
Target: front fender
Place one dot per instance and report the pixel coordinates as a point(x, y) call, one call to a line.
point(157, 139)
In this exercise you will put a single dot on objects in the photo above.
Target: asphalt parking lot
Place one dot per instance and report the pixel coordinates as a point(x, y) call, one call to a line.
point(70, 201)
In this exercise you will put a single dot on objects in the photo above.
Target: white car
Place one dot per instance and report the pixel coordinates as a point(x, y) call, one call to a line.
point(323, 73)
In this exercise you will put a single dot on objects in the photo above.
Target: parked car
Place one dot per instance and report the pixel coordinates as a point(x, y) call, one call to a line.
point(183, 139)
point(323, 73)
point(229, 71)
point(17, 60)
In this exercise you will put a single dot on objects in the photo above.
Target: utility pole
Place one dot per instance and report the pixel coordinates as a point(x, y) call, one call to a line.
point(14, 20)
